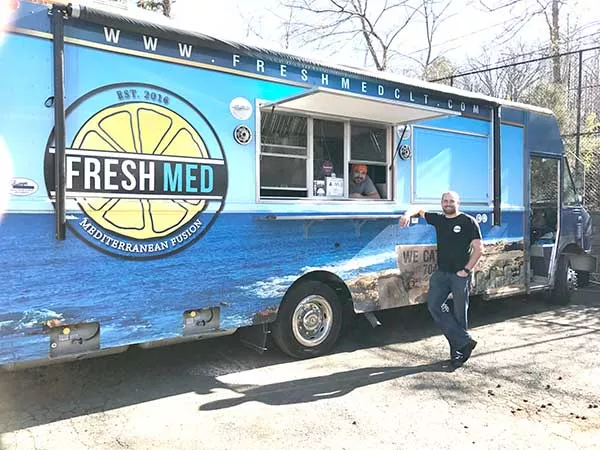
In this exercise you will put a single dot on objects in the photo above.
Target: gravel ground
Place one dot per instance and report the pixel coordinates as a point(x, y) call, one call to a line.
point(533, 382)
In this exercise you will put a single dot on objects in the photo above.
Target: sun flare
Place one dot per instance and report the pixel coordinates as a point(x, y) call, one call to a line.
point(6, 175)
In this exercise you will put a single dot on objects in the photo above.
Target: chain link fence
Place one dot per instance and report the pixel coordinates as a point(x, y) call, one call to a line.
point(569, 85)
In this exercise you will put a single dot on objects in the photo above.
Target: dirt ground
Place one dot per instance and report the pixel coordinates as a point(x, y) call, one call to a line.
point(533, 382)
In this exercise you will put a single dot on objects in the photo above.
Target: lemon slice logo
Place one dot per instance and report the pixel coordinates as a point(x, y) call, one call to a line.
point(145, 168)
point(140, 128)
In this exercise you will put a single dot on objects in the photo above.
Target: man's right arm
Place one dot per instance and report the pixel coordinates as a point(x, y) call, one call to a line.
point(410, 212)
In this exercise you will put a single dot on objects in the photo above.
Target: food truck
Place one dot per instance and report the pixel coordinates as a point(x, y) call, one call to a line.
point(161, 185)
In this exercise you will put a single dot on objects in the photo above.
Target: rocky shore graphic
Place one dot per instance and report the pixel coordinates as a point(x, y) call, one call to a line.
point(500, 268)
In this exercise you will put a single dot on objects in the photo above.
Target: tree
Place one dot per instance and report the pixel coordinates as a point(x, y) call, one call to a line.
point(430, 15)
point(552, 96)
point(285, 30)
point(440, 67)
point(433, 12)
point(522, 12)
point(586, 166)
point(511, 81)
point(590, 145)
point(163, 6)
point(336, 22)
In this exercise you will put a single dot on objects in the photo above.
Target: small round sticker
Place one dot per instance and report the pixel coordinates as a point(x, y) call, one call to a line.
point(23, 186)
point(457, 229)
point(484, 218)
point(240, 108)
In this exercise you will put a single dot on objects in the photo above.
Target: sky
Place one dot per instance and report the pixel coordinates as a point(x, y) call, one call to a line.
point(467, 29)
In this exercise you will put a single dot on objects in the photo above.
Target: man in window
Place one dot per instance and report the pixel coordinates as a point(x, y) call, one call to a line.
point(361, 185)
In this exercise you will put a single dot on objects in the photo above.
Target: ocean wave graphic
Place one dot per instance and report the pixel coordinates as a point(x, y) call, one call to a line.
point(28, 320)
point(376, 255)
point(275, 287)
point(351, 267)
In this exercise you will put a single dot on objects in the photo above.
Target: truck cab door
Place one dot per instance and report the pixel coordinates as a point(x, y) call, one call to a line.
point(544, 217)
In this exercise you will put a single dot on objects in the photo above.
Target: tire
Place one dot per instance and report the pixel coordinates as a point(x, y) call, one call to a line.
point(309, 320)
point(564, 284)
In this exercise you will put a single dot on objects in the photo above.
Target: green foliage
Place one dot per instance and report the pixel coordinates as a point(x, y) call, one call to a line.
point(441, 67)
point(590, 157)
point(590, 140)
point(554, 97)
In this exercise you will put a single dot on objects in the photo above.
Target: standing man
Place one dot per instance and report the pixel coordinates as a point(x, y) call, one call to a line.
point(361, 185)
point(459, 247)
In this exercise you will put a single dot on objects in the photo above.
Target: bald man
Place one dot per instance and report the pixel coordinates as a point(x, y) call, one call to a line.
point(361, 185)
point(459, 247)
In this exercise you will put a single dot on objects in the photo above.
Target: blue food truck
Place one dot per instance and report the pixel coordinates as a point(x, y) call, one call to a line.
point(161, 185)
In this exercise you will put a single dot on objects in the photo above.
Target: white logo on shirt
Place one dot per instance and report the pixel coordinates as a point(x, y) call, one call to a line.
point(457, 229)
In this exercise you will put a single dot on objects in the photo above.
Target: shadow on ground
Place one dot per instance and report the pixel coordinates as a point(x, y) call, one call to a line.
point(414, 323)
point(43, 395)
point(312, 389)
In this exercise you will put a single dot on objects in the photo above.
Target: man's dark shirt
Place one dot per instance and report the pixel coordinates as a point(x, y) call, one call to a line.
point(454, 238)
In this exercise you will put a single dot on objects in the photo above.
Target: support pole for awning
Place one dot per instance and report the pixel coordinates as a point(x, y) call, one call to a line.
point(58, 34)
point(497, 166)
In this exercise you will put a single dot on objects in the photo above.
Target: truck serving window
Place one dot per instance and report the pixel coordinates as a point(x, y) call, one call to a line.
point(304, 157)
point(328, 158)
point(283, 155)
point(368, 147)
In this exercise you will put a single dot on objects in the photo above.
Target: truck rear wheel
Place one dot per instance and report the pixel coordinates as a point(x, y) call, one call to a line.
point(309, 320)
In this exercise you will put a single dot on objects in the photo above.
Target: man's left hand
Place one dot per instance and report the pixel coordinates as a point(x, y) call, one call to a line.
point(462, 273)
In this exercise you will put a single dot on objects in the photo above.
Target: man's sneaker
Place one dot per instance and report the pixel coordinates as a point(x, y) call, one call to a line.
point(459, 357)
point(468, 349)
point(456, 361)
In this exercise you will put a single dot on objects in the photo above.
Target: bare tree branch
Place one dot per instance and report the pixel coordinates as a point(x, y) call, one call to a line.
point(497, 8)
point(375, 25)
point(549, 9)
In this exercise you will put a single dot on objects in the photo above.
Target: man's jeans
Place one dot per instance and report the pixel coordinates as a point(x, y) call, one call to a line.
point(452, 321)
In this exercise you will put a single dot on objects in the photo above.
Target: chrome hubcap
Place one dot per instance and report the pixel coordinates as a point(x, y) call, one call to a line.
point(312, 320)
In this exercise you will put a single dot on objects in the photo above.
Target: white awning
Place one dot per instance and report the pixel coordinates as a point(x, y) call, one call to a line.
point(322, 101)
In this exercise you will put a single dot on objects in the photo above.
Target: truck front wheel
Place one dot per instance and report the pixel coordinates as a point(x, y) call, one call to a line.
point(309, 320)
point(583, 279)
point(565, 282)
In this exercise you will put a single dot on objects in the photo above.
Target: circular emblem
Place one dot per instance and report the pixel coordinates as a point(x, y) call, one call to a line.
point(146, 174)
point(457, 229)
point(240, 108)
point(484, 218)
point(242, 134)
point(23, 186)
point(405, 152)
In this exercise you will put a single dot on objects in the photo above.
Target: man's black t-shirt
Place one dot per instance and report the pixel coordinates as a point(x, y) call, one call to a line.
point(454, 236)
